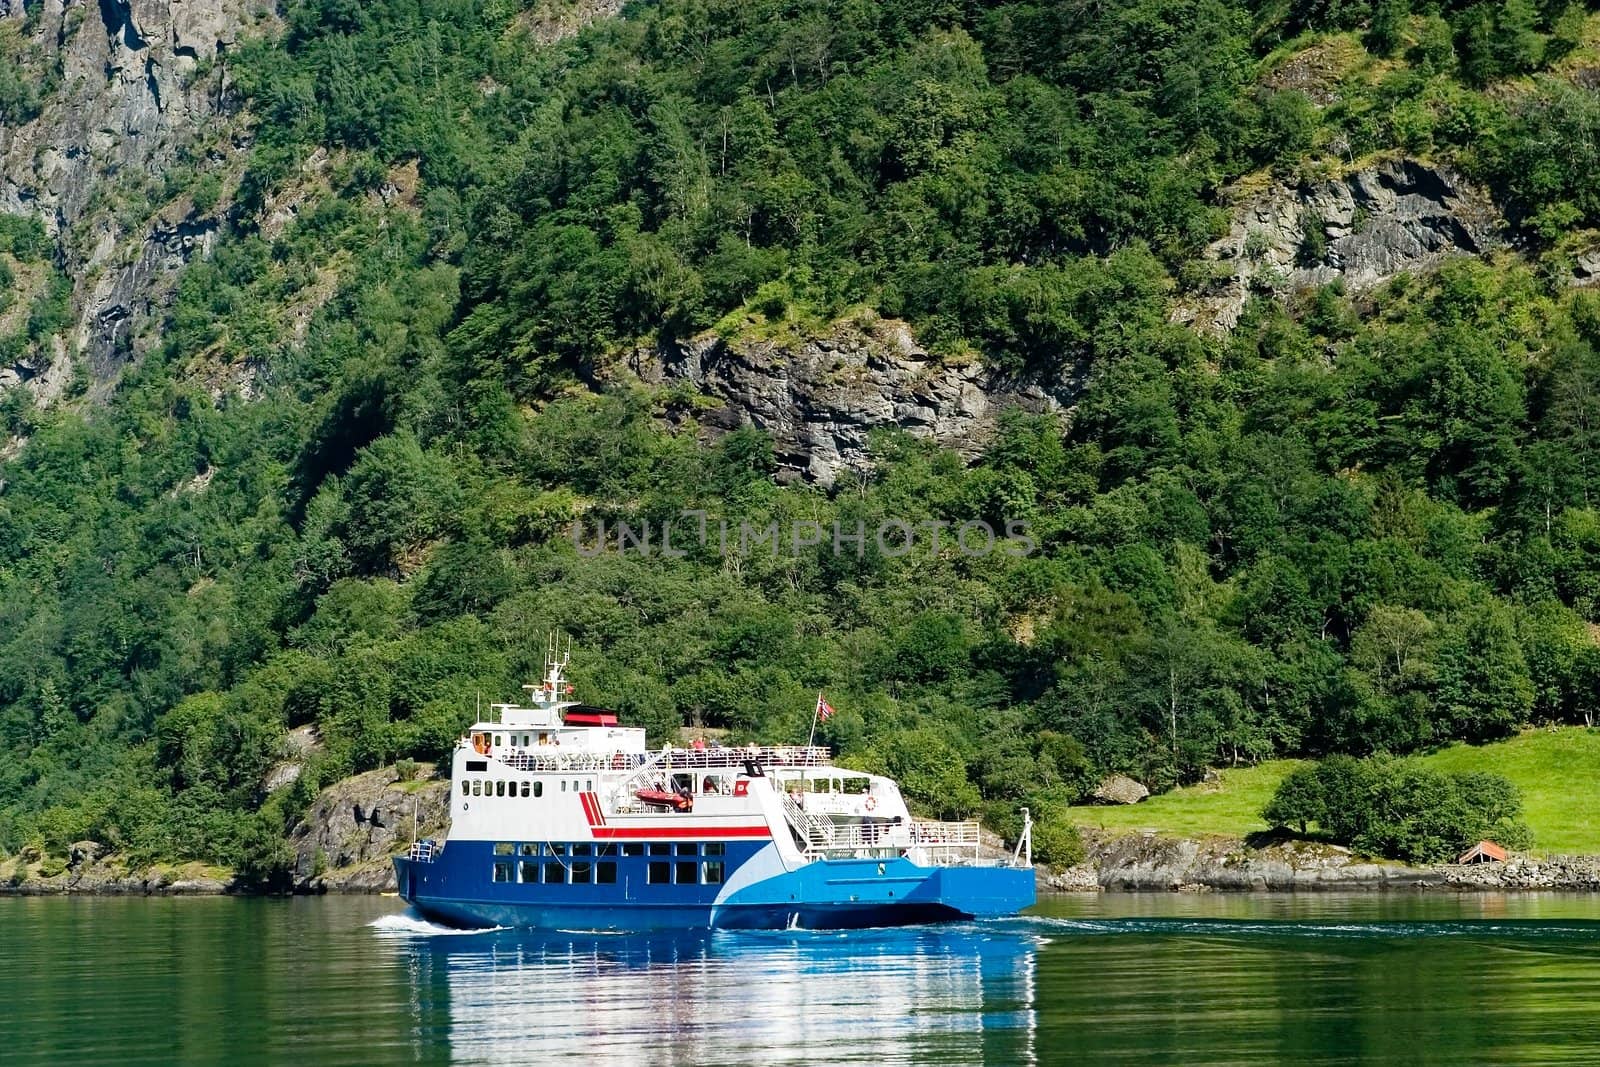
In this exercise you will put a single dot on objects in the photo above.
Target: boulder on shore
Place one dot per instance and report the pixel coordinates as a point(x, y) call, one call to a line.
point(1120, 789)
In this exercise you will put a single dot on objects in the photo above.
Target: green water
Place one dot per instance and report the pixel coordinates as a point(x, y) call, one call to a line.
point(1112, 979)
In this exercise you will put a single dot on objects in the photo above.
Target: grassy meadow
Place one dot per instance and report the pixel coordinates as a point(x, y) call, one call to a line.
point(1557, 771)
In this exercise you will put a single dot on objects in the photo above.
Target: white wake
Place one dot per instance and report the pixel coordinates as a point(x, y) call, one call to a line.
point(409, 923)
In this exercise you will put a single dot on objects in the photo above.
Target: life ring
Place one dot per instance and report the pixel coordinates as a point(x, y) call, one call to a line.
point(741, 788)
point(872, 804)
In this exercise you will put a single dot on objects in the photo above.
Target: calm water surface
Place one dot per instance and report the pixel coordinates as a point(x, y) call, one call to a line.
point(1112, 979)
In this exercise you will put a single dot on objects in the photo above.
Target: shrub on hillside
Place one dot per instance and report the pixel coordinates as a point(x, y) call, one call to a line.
point(1399, 808)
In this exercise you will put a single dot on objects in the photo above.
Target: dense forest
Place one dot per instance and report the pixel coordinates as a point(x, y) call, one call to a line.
point(1348, 525)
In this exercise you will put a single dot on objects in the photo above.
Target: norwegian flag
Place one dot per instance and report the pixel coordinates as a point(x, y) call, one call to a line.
point(824, 709)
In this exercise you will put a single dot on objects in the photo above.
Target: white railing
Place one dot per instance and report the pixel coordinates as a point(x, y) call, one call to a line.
point(422, 851)
point(765, 756)
point(544, 759)
point(523, 760)
point(947, 842)
point(866, 837)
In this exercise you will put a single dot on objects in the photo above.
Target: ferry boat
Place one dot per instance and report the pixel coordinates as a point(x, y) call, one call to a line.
point(562, 819)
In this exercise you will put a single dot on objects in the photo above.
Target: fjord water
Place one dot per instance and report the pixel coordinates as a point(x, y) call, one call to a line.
point(1112, 979)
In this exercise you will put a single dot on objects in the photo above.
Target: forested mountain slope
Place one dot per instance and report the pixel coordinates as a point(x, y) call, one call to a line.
point(338, 488)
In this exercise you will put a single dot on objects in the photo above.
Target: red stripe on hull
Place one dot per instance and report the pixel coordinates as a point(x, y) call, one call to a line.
point(685, 833)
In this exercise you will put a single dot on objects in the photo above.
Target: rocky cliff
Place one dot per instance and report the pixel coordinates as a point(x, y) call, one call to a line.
point(1362, 228)
point(821, 398)
point(128, 159)
point(346, 838)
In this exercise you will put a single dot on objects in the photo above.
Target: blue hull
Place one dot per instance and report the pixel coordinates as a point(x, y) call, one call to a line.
point(459, 887)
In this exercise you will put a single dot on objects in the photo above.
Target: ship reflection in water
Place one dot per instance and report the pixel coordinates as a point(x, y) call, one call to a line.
point(946, 994)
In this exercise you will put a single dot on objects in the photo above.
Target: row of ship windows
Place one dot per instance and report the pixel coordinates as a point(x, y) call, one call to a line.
point(611, 848)
point(604, 872)
point(477, 787)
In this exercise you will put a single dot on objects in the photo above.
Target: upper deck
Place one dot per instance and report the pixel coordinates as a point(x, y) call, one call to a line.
point(559, 770)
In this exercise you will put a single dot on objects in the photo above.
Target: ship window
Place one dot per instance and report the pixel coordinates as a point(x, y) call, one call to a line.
point(589, 785)
point(477, 765)
point(554, 874)
point(538, 789)
point(574, 785)
point(686, 873)
point(527, 871)
point(558, 850)
point(525, 788)
point(659, 873)
point(563, 785)
point(477, 787)
point(633, 848)
point(657, 849)
point(466, 787)
point(499, 739)
point(856, 785)
point(502, 872)
point(529, 850)
point(713, 872)
point(582, 874)
point(605, 873)
point(688, 849)
point(504, 848)
point(715, 848)
point(500, 789)
point(580, 849)
point(605, 849)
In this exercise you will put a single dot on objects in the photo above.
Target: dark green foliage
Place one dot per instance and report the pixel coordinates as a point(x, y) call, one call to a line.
point(24, 237)
point(1399, 810)
point(1299, 800)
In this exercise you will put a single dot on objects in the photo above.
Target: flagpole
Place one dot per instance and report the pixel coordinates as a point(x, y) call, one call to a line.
point(816, 710)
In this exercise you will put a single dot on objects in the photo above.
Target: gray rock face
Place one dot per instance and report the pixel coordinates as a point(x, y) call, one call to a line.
point(354, 826)
point(1586, 269)
point(1151, 862)
point(1398, 216)
point(141, 83)
point(821, 399)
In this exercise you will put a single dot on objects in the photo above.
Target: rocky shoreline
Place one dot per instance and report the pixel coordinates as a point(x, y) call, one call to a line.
point(342, 845)
point(1146, 862)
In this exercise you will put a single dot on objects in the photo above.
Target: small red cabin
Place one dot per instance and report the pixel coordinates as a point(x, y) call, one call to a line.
point(1483, 852)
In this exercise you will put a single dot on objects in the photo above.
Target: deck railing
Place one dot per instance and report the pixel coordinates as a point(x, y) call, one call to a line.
point(926, 842)
point(543, 759)
point(947, 842)
point(523, 760)
point(765, 756)
point(423, 851)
